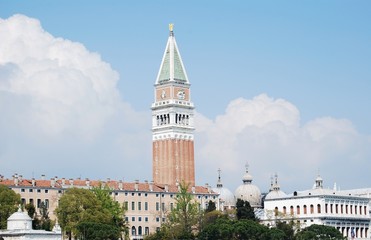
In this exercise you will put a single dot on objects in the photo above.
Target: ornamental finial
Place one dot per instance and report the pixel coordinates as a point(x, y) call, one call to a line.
point(171, 26)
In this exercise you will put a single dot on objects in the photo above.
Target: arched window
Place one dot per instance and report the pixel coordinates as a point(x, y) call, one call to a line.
point(146, 231)
point(292, 210)
point(133, 231)
point(336, 208)
point(284, 210)
point(305, 209)
point(331, 207)
point(311, 209)
point(298, 209)
point(140, 230)
point(276, 211)
point(326, 208)
point(318, 208)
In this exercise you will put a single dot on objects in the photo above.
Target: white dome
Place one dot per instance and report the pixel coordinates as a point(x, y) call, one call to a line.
point(225, 195)
point(247, 191)
point(19, 220)
point(250, 193)
point(275, 194)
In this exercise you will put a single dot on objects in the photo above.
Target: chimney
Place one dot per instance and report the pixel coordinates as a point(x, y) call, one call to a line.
point(120, 185)
point(33, 182)
point(71, 182)
point(151, 186)
point(56, 178)
point(15, 179)
point(136, 185)
point(20, 178)
point(52, 182)
point(166, 188)
point(193, 189)
point(208, 187)
point(63, 181)
point(87, 182)
point(43, 177)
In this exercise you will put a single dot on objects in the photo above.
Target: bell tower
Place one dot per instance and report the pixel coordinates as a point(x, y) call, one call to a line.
point(172, 121)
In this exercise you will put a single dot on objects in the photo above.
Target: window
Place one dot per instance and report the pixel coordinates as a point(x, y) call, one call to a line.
point(22, 189)
point(133, 231)
point(365, 210)
point(146, 231)
point(157, 219)
point(331, 208)
point(30, 190)
point(132, 194)
point(171, 206)
point(133, 206)
point(126, 205)
point(46, 190)
point(146, 206)
point(139, 230)
point(59, 191)
point(163, 206)
point(139, 219)
point(291, 210)
point(298, 209)
point(145, 194)
point(146, 219)
point(276, 211)
point(157, 206)
point(139, 194)
point(133, 219)
point(311, 209)
point(46, 202)
point(38, 190)
point(126, 219)
point(156, 194)
point(326, 208)
point(305, 209)
point(346, 209)
point(23, 201)
point(341, 208)
point(318, 208)
point(284, 210)
point(38, 203)
point(31, 201)
point(116, 193)
point(126, 194)
point(139, 206)
point(336, 208)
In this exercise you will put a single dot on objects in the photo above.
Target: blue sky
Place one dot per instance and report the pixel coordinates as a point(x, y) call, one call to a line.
point(314, 55)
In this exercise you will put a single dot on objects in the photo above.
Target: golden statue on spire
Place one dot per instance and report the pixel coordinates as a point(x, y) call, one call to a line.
point(171, 26)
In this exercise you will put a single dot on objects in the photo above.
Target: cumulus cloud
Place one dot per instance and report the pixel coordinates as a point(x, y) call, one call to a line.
point(51, 85)
point(267, 133)
point(61, 112)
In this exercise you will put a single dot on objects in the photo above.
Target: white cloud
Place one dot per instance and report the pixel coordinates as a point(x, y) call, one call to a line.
point(61, 112)
point(266, 132)
point(59, 85)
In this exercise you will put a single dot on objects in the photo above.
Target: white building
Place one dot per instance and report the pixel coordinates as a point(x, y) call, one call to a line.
point(19, 227)
point(347, 212)
point(248, 191)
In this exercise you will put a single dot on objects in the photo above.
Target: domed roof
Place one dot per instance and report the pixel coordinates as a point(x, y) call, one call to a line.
point(224, 193)
point(19, 220)
point(275, 191)
point(248, 192)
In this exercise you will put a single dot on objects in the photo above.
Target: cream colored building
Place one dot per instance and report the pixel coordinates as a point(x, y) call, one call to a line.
point(147, 203)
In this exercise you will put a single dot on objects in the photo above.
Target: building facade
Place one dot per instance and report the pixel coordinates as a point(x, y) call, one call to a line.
point(147, 203)
point(172, 121)
point(349, 213)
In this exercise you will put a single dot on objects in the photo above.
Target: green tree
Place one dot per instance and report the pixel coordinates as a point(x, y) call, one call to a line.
point(244, 210)
point(116, 211)
point(79, 205)
point(288, 229)
point(319, 232)
point(9, 202)
point(210, 207)
point(185, 215)
point(97, 231)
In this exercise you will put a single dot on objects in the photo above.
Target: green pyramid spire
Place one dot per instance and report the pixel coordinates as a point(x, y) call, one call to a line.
point(172, 68)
